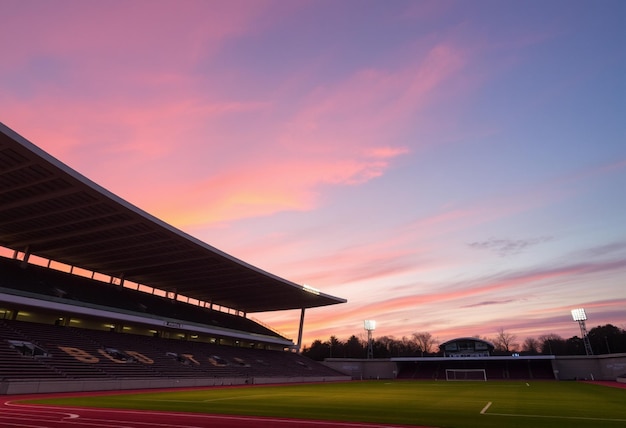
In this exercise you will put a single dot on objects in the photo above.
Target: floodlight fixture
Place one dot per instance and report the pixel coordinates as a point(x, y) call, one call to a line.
point(580, 317)
point(579, 314)
point(370, 325)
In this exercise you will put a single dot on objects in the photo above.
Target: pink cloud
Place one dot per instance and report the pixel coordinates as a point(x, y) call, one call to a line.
point(138, 27)
point(434, 307)
point(372, 100)
point(420, 248)
point(335, 139)
point(137, 109)
point(251, 189)
point(330, 141)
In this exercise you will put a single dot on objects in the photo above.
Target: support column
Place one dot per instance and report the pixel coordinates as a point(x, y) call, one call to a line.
point(299, 344)
point(24, 263)
point(585, 337)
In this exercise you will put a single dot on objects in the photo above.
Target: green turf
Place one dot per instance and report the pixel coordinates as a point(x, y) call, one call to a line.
point(441, 404)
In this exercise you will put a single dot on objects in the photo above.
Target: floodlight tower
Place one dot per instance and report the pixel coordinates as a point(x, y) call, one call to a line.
point(370, 326)
point(580, 316)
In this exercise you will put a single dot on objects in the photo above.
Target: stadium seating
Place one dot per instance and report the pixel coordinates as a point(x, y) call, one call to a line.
point(75, 353)
point(83, 353)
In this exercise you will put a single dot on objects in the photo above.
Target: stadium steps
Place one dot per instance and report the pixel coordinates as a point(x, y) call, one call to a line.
point(16, 366)
point(207, 360)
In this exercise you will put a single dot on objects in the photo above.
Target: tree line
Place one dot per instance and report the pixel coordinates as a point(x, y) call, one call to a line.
point(606, 339)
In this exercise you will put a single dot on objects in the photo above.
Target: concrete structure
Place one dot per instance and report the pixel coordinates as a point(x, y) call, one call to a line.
point(610, 367)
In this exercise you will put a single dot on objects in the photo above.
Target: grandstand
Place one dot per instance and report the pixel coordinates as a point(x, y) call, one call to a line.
point(98, 294)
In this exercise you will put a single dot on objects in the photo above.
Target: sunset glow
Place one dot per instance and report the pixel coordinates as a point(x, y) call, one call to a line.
point(447, 167)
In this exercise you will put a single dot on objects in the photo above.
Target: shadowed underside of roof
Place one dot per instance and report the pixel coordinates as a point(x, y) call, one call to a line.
point(49, 210)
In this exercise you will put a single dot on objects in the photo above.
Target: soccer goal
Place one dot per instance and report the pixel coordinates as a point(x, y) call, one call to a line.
point(466, 374)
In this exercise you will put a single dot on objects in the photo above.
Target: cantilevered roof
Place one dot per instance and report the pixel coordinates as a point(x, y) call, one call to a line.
point(49, 210)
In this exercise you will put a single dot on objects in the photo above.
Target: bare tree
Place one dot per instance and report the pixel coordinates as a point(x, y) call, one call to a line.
point(424, 342)
point(552, 344)
point(531, 346)
point(504, 341)
point(485, 338)
point(409, 345)
point(386, 342)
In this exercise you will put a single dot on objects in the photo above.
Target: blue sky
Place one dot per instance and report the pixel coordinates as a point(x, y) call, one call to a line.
point(447, 166)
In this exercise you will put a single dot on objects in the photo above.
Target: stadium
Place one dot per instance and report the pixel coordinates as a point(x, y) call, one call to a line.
point(98, 295)
point(90, 246)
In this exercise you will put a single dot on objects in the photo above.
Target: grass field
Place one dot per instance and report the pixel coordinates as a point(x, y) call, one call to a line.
point(440, 404)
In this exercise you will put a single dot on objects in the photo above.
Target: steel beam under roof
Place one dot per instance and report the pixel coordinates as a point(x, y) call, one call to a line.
point(49, 210)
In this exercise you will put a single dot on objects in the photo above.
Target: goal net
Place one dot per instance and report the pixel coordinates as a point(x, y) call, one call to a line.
point(466, 374)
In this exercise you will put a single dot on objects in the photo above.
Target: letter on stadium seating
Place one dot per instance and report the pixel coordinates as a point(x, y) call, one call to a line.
point(79, 354)
point(191, 358)
point(140, 357)
point(111, 357)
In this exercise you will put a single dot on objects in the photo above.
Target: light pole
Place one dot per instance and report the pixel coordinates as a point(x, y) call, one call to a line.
point(580, 316)
point(370, 326)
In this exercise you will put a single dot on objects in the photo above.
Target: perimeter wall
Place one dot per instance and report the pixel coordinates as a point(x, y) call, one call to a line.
point(359, 369)
point(36, 387)
point(576, 367)
point(592, 367)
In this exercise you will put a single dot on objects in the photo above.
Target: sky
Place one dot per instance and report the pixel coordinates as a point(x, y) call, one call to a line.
point(450, 167)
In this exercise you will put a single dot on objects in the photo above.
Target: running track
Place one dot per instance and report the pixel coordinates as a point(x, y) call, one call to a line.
point(16, 415)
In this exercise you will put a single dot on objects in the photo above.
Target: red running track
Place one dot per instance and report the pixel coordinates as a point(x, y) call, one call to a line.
point(14, 414)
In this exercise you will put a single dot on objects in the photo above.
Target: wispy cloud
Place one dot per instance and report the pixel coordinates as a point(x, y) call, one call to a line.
point(507, 247)
point(614, 249)
point(333, 138)
point(488, 303)
point(432, 309)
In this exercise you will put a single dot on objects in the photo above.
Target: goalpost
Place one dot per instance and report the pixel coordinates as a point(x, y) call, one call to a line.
point(466, 374)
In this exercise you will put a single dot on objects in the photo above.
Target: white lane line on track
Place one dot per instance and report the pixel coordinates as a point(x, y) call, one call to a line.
point(54, 417)
point(26, 415)
point(40, 410)
point(60, 421)
point(120, 424)
point(213, 417)
point(11, 424)
point(75, 419)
